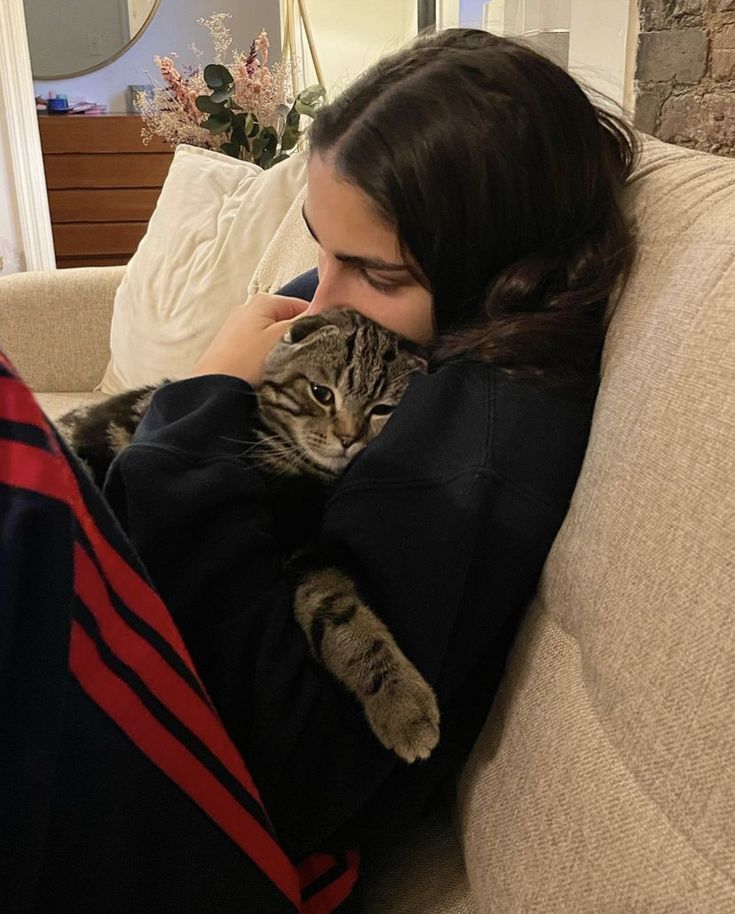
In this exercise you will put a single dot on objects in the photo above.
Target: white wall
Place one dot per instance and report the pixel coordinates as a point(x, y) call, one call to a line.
point(599, 44)
point(174, 28)
point(352, 34)
point(544, 23)
point(539, 14)
point(602, 35)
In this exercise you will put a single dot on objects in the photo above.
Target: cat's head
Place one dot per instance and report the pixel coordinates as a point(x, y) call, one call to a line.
point(329, 387)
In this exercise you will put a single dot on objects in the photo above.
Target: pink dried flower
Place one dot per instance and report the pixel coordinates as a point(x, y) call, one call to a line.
point(262, 43)
point(171, 111)
point(178, 88)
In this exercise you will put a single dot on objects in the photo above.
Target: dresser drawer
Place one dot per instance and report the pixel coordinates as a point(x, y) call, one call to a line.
point(108, 133)
point(103, 184)
point(135, 204)
point(105, 171)
point(110, 238)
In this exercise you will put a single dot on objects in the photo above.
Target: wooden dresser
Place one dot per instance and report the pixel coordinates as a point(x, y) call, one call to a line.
point(103, 184)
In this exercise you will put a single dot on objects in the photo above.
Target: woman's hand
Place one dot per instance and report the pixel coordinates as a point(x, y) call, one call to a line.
point(248, 335)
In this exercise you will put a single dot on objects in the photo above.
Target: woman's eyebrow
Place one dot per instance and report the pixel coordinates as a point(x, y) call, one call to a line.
point(368, 263)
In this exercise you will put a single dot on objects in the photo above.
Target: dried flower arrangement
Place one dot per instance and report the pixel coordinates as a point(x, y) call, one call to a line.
point(245, 109)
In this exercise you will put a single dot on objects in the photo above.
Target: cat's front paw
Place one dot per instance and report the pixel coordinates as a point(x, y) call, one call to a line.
point(404, 715)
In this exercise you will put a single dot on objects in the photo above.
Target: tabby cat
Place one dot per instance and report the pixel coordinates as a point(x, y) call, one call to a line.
point(328, 389)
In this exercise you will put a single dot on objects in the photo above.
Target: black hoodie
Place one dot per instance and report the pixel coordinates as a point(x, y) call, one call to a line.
point(446, 519)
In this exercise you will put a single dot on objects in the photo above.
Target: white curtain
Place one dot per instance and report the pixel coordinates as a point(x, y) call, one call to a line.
point(544, 23)
point(594, 39)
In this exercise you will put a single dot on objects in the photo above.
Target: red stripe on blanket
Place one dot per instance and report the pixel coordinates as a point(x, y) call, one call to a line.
point(18, 405)
point(28, 467)
point(163, 681)
point(140, 597)
point(25, 466)
point(132, 589)
point(313, 867)
point(333, 895)
point(126, 709)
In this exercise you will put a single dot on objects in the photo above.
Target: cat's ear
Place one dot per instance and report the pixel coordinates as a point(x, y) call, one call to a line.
point(305, 326)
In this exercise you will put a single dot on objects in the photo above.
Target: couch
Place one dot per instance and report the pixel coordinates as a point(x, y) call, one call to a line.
point(604, 779)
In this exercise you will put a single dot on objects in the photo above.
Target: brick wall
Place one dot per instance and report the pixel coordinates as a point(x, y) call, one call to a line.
point(685, 73)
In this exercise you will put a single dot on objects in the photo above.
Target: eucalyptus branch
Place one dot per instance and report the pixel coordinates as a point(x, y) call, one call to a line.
point(241, 106)
point(245, 137)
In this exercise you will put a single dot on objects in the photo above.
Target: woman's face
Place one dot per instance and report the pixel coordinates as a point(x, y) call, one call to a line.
point(360, 261)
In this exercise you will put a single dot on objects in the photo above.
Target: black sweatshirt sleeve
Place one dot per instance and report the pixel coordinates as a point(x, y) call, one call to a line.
point(446, 549)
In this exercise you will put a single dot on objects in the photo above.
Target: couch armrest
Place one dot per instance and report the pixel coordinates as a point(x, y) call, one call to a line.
point(55, 325)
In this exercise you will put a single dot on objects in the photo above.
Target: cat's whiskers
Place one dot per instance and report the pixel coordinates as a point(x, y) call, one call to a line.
point(276, 445)
point(405, 374)
point(233, 440)
point(262, 443)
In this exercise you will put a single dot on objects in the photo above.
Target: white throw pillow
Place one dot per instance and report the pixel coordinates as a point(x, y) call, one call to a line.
point(213, 221)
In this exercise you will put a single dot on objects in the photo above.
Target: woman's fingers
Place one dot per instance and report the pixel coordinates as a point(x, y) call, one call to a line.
point(277, 307)
point(248, 335)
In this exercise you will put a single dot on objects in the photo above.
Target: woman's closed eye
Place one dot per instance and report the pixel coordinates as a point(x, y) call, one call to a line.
point(379, 284)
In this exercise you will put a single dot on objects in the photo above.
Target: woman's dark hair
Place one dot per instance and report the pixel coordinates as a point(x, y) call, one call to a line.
point(503, 182)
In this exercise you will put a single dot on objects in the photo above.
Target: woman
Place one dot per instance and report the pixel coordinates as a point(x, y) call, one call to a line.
point(463, 193)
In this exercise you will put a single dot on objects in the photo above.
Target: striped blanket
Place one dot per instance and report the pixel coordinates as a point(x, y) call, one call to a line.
point(120, 790)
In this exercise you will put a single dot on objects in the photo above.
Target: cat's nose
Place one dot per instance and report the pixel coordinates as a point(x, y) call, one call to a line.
point(347, 440)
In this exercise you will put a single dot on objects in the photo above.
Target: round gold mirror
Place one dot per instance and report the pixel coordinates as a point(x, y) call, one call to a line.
point(78, 36)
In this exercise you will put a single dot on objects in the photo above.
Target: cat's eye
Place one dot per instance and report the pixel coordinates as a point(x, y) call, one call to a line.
point(322, 394)
point(382, 409)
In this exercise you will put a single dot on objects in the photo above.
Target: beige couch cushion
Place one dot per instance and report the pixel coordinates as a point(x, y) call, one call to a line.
point(424, 874)
point(604, 781)
point(55, 325)
point(57, 403)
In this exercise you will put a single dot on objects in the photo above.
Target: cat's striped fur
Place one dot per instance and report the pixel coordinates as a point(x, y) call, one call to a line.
point(329, 387)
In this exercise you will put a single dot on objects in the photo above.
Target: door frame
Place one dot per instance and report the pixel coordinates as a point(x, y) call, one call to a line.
point(24, 138)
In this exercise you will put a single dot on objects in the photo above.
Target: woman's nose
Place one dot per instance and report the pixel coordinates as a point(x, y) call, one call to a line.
point(320, 301)
point(330, 292)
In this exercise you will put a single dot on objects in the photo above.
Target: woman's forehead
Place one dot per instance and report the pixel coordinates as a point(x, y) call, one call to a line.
point(343, 219)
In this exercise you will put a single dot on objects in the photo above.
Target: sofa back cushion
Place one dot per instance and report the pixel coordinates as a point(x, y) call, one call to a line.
point(603, 780)
point(291, 252)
